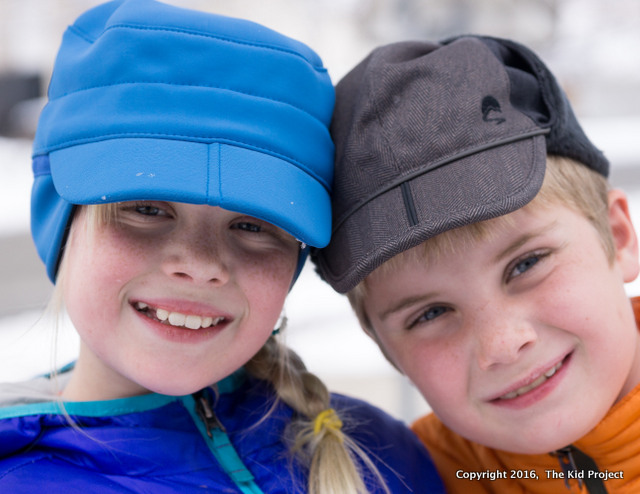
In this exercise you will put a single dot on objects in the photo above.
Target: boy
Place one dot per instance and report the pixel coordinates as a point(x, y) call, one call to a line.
point(476, 236)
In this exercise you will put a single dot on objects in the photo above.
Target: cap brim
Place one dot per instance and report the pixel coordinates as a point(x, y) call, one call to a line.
point(219, 174)
point(490, 183)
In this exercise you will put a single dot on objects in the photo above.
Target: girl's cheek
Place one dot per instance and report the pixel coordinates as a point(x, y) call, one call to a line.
point(121, 247)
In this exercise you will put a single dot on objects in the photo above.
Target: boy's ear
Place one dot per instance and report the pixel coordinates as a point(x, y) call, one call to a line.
point(625, 240)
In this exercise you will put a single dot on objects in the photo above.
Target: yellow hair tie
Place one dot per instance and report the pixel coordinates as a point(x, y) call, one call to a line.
point(327, 419)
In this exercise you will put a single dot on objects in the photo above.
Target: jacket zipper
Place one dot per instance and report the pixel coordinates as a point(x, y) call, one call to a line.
point(576, 465)
point(206, 414)
point(219, 443)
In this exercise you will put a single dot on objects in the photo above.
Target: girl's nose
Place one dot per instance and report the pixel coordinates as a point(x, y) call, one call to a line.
point(197, 258)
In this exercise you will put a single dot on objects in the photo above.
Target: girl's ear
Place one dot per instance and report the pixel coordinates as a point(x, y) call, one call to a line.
point(625, 240)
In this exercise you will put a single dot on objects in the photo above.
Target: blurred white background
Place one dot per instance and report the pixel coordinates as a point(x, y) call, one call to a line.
point(592, 46)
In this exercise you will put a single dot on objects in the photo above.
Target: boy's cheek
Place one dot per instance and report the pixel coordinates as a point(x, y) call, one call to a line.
point(410, 358)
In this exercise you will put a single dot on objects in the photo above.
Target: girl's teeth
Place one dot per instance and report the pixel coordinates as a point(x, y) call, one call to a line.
point(177, 319)
point(180, 320)
point(193, 322)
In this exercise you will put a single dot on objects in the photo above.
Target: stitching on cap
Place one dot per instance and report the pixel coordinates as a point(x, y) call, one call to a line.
point(220, 38)
point(202, 139)
point(210, 86)
point(208, 170)
point(220, 172)
point(376, 254)
point(81, 34)
point(434, 166)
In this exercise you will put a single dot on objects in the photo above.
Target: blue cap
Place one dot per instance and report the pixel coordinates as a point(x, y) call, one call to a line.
point(152, 102)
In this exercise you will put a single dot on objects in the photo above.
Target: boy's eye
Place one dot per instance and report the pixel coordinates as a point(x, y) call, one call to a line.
point(524, 264)
point(429, 315)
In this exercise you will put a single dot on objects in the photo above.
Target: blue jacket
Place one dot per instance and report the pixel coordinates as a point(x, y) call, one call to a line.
point(164, 444)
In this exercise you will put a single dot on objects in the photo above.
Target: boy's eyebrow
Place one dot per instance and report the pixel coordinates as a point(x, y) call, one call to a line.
point(512, 247)
point(402, 304)
point(522, 240)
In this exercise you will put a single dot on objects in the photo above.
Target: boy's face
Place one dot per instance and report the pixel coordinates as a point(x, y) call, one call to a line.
point(522, 342)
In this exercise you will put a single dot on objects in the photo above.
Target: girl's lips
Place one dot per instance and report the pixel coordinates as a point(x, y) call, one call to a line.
point(532, 384)
point(189, 316)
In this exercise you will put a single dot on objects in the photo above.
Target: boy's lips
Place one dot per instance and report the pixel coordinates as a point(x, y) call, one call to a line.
point(531, 383)
point(179, 319)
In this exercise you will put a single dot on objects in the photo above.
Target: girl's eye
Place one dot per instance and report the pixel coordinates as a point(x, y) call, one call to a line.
point(148, 210)
point(247, 227)
point(429, 315)
point(256, 233)
point(144, 212)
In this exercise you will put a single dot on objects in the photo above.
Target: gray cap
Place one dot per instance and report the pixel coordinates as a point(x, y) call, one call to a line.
point(430, 137)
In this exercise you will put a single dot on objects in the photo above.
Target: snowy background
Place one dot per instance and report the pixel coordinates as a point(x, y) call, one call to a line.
point(593, 48)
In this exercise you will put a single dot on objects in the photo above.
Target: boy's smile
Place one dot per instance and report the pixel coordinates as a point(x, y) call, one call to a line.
point(524, 340)
point(172, 297)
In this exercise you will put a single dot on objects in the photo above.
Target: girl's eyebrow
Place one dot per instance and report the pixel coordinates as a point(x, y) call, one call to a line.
point(522, 240)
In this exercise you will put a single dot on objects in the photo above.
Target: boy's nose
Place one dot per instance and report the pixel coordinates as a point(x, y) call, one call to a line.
point(501, 338)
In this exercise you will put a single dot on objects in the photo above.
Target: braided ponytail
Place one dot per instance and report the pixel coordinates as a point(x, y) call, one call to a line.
point(318, 437)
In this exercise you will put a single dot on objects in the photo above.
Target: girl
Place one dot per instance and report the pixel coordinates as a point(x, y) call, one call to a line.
point(182, 166)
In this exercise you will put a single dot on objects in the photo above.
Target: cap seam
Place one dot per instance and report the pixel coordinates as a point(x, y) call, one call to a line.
point(160, 83)
point(208, 171)
point(202, 139)
point(219, 171)
point(81, 33)
point(220, 38)
point(355, 271)
point(433, 166)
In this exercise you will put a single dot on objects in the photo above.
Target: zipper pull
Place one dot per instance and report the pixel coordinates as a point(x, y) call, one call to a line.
point(568, 465)
point(577, 465)
point(206, 413)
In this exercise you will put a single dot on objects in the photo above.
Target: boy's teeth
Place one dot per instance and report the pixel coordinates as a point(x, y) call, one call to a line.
point(180, 320)
point(534, 384)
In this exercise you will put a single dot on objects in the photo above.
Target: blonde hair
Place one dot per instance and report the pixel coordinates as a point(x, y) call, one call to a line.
point(566, 182)
point(328, 452)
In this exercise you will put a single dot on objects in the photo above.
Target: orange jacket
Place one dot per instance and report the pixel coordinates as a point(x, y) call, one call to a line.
point(614, 445)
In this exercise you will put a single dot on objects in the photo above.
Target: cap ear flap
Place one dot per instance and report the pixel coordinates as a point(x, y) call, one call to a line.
point(50, 215)
point(529, 91)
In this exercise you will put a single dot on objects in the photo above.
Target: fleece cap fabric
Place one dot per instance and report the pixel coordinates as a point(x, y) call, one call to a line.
point(433, 136)
point(149, 101)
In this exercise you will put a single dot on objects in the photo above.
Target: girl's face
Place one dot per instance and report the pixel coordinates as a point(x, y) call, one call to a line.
point(171, 297)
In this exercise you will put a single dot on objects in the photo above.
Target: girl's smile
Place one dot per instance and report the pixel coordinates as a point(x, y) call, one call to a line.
point(178, 319)
point(171, 297)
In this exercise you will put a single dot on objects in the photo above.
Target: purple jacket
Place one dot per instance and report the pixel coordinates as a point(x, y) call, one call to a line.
point(197, 443)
